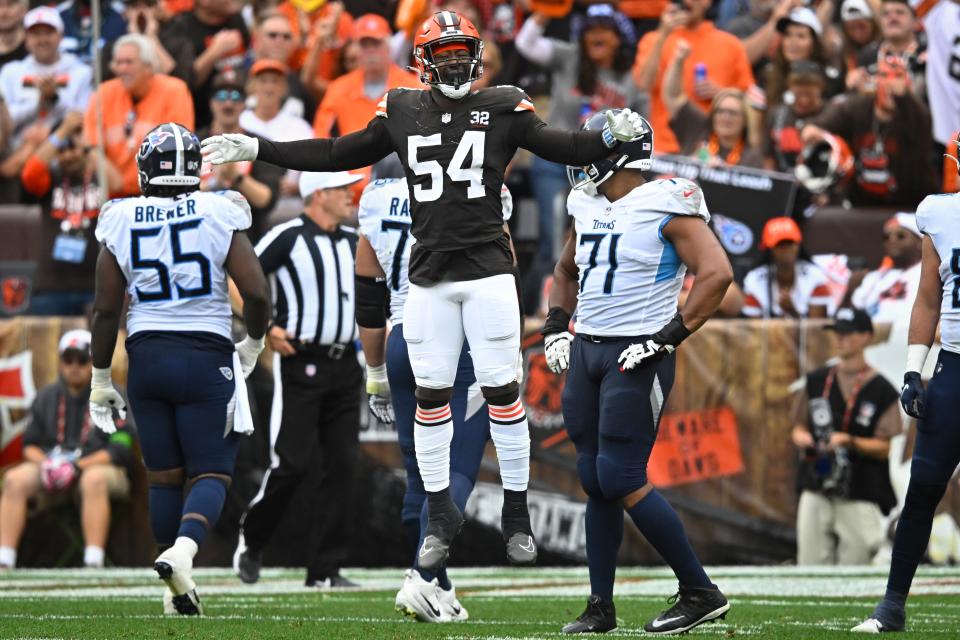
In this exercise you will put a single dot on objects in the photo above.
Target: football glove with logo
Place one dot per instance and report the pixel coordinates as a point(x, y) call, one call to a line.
point(913, 396)
point(656, 347)
point(378, 390)
point(557, 339)
point(249, 351)
point(229, 147)
point(104, 399)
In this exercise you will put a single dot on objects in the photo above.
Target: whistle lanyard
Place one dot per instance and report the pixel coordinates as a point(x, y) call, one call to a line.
point(62, 423)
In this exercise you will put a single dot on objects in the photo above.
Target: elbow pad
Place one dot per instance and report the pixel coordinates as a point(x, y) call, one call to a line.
point(371, 305)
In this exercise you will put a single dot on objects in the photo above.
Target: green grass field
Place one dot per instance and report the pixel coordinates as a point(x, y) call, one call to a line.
point(778, 603)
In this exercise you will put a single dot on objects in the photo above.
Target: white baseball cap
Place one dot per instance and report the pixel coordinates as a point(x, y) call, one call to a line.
point(43, 15)
point(855, 10)
point(801, 15)
point(903, 220)
point(78, 339)
point(311, 182)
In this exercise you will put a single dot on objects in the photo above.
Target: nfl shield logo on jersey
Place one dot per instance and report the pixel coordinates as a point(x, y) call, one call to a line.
point(445, 118)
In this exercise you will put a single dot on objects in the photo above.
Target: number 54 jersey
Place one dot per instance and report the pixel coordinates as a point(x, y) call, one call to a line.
point(630, 274)
point(172, 252)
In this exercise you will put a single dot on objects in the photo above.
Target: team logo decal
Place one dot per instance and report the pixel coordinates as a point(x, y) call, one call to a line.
point(445, 118)
point(735, 236)
point(154, 140)
point(227, 372)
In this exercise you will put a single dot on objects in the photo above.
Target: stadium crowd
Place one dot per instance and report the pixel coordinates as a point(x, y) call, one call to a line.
point(859, 100)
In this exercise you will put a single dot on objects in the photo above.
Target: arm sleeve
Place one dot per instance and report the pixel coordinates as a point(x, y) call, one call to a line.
point(836, 118)
point(353, 151)
point(532, 45)
point(575, 148)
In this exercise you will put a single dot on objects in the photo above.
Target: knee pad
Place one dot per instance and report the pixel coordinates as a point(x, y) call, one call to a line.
point(587, 471)
point(167, 477)
point(221, 478)
point(428, 398)
point(923, 498)
point(617, 479)
point(502, 396)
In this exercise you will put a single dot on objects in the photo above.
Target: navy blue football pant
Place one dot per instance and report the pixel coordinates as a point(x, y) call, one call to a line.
point(180, 385)
point(935, 457)
point(471, 430)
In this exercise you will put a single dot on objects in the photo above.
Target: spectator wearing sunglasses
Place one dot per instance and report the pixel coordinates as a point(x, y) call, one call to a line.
point(63, 452)
point(138, 99)
point(62, 174)
point(887, 294)
point(273, 39)
point(259, 182)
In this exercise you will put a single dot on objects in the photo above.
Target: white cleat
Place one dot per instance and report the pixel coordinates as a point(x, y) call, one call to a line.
point(168, 608)
point(174, 569)
point(419, 599)
point(450, 607)
point(870, 625)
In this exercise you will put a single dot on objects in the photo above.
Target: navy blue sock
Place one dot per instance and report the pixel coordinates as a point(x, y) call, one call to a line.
point(166, 505)
point(659, 524)
point(604, 534)
point(460, 488)
point(912, 536)
point(201, 510)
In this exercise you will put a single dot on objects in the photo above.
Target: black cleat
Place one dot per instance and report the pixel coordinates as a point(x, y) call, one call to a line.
point(517, 532)
point(443, 525)
point(598, 617)
point(188, 602)
point(246, 562)
point(692, 606)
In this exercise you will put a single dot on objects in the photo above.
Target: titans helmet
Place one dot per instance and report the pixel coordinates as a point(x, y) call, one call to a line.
point(168, 162)
point(636, 154)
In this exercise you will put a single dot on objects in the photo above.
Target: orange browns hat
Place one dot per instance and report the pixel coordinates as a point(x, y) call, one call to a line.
point(552, 8)
point(372, 26)
point(260, 66)
point(779, 230)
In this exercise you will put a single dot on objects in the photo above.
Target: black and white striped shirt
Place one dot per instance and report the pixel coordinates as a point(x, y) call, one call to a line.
point(311, 276)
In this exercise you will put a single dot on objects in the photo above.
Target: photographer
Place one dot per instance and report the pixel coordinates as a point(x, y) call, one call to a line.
point(843, 422)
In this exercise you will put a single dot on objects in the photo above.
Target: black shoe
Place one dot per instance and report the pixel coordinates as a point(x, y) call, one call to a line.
point(517, 532)
point(333, 582)
point(693, 606)
point(443, 525)
point(246, 562)
point(598, 617)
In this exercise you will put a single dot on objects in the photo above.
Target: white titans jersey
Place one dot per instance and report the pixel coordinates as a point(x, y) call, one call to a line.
point(942, 25)
point(630, 274)
point(938, 216)
point(171, 251)
point(385, 222)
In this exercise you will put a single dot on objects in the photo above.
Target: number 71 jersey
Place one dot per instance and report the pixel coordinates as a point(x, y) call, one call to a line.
point(630, 274)
point(172, 252)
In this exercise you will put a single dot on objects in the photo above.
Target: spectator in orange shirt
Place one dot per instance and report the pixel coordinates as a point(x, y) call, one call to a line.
point(273, 40)
point(351, 100)
point(320, 29)
point(718, 58)
point(134, 102)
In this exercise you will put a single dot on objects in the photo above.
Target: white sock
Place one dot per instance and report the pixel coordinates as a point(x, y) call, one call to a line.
point(511, 437)
point(93, 557)
point(432, 435)
point(8, 557)
point(186, 546)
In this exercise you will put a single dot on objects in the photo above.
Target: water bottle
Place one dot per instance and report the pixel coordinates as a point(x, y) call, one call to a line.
point(699, 72)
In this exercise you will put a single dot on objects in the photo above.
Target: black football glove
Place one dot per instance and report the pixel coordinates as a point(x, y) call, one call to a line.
point(913, 396)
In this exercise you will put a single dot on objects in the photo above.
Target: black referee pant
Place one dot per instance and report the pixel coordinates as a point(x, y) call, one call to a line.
point(316, 404)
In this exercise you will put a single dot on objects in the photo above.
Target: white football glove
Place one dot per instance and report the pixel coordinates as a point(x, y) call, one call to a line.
point(640, 352)
point(229, 147)
point(249, 351)
point(625, 126)
point(378, 394)
point(556, 346)
point(104, 399)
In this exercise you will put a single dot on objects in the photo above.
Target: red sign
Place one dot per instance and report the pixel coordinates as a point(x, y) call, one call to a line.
point(694, 446)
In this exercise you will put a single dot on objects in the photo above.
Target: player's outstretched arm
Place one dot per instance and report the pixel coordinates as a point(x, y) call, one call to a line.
point(352, 151)
point(244, 269)
point(923, 328)
point(562, 302)
point(575, 148)
point(701, 252)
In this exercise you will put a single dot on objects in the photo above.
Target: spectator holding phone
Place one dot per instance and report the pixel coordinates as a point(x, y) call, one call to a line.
point(40, 89)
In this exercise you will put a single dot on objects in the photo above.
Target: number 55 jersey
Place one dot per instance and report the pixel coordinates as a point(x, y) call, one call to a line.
point(172, 252)
point(630, 274)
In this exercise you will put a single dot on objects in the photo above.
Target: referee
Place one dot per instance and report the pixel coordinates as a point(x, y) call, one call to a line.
point(316, 397)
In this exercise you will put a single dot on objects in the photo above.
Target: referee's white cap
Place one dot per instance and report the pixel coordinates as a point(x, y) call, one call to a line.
point(311, 182)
